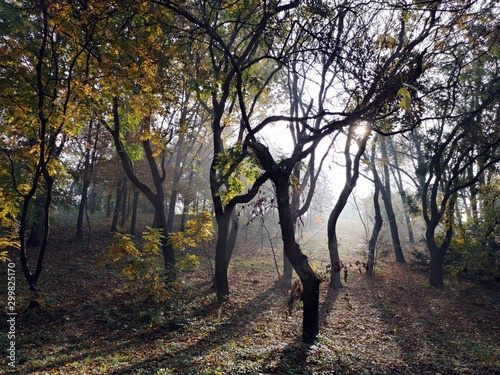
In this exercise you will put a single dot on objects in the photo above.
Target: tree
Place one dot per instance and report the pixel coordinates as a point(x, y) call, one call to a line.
point(385, 190)
point(351, 177)
point(374, 100)
point(378, 221)
point(90, 160)
point(280, 176)
point(461, 141)
point(396, 172)
point(42, 61)
point(229, 47)
point(157, 196)
point(296, 86)
point(131, 94)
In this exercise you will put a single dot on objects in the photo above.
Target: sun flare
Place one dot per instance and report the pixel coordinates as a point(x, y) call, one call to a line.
point(362, 129)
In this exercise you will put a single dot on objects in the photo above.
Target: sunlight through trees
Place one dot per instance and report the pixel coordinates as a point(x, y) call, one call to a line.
point(181, 113)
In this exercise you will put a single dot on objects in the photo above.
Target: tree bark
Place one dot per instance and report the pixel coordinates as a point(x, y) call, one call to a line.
point(386, 197)
point(36, 233)
point(81, 209)
point(438, 251)
point(109, 206)
point(234, 226)
point(118, 205)
point(333, 249)
point(135, 204)
point(370, 264)
point(352, 175)
point(221, 262)
point(436, 276)
point(300, 263)
point(286, 281)
point(310, 282)
point(399, 184)
point(123, 218)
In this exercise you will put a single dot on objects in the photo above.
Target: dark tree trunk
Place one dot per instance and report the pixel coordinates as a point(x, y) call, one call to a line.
point(109, 206)
point(436, 276)
point(352, 175)
point(391, 216)
point(135, 204)
point(234, 226)
point(46, 134)
point(393, 225)
point(222, 213)
point(370, 264)
point(81, 209)
point(221, 263)
point(310, 282)
point(167, 249)
point(226, 236)
point(399, 184)
point(438, 251)
point(333, 249)
point(333, 245)
point(36, 233)
point(286, 281)
point(123, 220)
point(118, 206)
point(32, 277)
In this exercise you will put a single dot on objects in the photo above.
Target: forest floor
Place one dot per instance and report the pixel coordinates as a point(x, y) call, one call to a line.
point(393, 323)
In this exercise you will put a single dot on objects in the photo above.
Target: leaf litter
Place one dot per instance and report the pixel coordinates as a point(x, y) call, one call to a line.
point(393, 323)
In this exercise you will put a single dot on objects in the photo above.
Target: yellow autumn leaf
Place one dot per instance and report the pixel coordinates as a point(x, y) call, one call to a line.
point(406, 100)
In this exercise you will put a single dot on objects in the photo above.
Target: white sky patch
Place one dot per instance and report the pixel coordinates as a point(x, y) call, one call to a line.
point(278, 139)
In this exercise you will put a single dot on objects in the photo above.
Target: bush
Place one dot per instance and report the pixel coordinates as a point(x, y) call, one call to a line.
point(143, 269)
point(474, 251)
